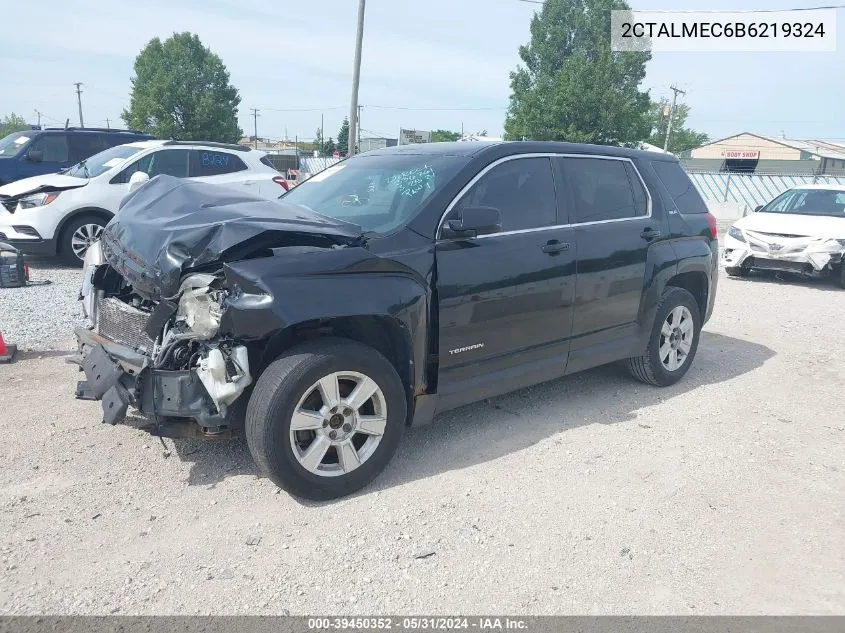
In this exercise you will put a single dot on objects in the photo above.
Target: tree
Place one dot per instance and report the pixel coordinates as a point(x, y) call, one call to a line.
point(12, 123)
point(682, 138)
point(318, 141)
point(572, 87)
point(181, 90)
point(444, 136)
point(329, 147)
point(343, 137)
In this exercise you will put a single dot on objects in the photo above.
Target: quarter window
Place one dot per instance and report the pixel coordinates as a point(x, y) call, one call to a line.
point(604, 189)
point(523, 191)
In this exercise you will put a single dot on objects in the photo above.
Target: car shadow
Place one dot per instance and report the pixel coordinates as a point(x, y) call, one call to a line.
point(499, 426)
point(826, 284)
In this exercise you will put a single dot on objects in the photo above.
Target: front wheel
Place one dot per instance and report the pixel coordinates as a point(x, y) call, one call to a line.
point(736, 271)
point(79, 234)
point(673, 340)
point(326, 418)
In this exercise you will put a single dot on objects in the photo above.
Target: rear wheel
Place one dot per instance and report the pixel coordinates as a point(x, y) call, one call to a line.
point(79, 234)
point(673, 340)
point(326, 418)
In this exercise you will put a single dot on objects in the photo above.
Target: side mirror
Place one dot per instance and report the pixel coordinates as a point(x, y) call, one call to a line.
point(757, 208)
point(474, 221)
point(137, 179)
point(35, 156)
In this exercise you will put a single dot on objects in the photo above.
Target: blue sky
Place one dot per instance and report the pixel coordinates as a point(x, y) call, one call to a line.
point(293, 61)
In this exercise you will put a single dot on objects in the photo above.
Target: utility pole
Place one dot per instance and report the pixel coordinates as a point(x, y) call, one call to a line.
point(79, 102)
point(359, 126)
point(675, 91)
point(255, 127)
point(108, 123)
point(38, 114)
point(356, 77)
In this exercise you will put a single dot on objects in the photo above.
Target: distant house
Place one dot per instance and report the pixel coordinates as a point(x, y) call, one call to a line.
point(756, 153)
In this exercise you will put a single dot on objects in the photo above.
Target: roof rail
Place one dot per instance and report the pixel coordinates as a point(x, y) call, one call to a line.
point(232, 146)
point(99, 129)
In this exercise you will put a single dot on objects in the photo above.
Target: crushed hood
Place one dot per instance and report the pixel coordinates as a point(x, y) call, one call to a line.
point(169, 226)
point(40, 184)
point(793, 224)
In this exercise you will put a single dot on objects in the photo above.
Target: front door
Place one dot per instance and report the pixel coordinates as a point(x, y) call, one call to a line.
point(505, 299)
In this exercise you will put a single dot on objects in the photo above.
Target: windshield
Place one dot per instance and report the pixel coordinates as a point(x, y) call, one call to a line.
point(828, 202)
point(378, 193)
point(100, 163)
point(13, 143)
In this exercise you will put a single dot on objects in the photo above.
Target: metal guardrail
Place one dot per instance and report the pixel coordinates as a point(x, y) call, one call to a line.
point(752, 190)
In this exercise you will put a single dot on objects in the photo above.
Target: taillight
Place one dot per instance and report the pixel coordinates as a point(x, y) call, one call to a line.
point(281, 181)
point(714, 227)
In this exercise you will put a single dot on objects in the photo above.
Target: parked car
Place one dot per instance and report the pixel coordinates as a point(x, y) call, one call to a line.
point(36, 152)
point(801, 231)
point(390, 287)
point(62, 214)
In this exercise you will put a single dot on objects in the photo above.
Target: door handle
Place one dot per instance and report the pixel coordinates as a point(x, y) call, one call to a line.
point(553, 246)
point(650, 234)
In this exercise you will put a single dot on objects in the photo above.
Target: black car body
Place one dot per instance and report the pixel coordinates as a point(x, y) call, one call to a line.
point(445, 273)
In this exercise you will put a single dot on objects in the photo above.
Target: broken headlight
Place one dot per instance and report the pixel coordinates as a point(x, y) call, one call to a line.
point(200, 306)
point(736, 234)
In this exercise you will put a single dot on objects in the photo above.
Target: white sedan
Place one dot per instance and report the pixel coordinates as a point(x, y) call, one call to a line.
point(801, 231)
point(62, 214)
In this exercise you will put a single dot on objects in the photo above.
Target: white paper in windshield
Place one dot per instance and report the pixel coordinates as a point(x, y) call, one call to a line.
point(21, 140)
point(331, 171)
point(114, 162)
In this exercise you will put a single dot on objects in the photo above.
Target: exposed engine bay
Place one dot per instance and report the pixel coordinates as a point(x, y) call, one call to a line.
point(172, 361)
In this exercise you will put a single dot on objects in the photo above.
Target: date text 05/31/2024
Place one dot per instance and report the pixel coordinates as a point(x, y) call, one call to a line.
point(719, 29)
point(417, 623)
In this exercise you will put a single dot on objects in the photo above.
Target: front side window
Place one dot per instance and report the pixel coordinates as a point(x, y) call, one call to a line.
point(379, 193)
point(53, 148)
point(172, 162)
point(522, 189)
point(602, 189)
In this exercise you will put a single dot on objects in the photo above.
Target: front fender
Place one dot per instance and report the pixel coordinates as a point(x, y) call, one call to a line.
point(263, 304)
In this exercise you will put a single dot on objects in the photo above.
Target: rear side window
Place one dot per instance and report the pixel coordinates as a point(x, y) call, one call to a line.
point(266, 160)
point(523, 191)
point(85, 145)
point(604, 189)
point(214, 163)
point(679, 186)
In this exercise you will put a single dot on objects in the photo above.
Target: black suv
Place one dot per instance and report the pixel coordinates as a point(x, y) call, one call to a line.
point(36, 152)
point(388, 288)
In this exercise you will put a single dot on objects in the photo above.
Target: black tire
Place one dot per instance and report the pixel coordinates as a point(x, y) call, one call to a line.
point(648, 368)
point(284, 383)
point(736, 271)
point(65, 250)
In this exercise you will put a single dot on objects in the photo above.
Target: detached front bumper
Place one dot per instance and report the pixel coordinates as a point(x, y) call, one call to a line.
point(809, 256)
point(120, 377)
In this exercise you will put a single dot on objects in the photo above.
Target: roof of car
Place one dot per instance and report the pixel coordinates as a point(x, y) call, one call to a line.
point(145, 144)
point(830, 187)
point(471, 148)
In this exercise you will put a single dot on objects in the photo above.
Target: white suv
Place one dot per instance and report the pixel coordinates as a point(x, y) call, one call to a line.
point(62, 214)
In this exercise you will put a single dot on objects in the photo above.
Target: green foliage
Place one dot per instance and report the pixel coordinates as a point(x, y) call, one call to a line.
point(343, 137)
point(682, 138)
point(329, 147)
point(318, 141)
point(181, 90)
point(571, 86)
point(12, 123)
point(444, 136)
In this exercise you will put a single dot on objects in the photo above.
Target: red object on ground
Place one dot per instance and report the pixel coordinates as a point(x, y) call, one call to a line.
point(7, 352)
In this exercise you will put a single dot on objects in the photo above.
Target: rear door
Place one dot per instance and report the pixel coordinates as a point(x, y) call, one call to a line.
point(55, 155)
point(505, 300)
point(613, 228)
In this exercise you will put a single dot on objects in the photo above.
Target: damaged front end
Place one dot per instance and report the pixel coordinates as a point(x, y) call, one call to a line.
point(807, 256)
point(164, 358)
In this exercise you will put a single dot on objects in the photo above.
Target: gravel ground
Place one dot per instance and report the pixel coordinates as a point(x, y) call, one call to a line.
point(593, 494)
point(42, 316)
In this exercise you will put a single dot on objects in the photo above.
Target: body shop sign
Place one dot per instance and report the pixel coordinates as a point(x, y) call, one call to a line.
point(741, 154)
